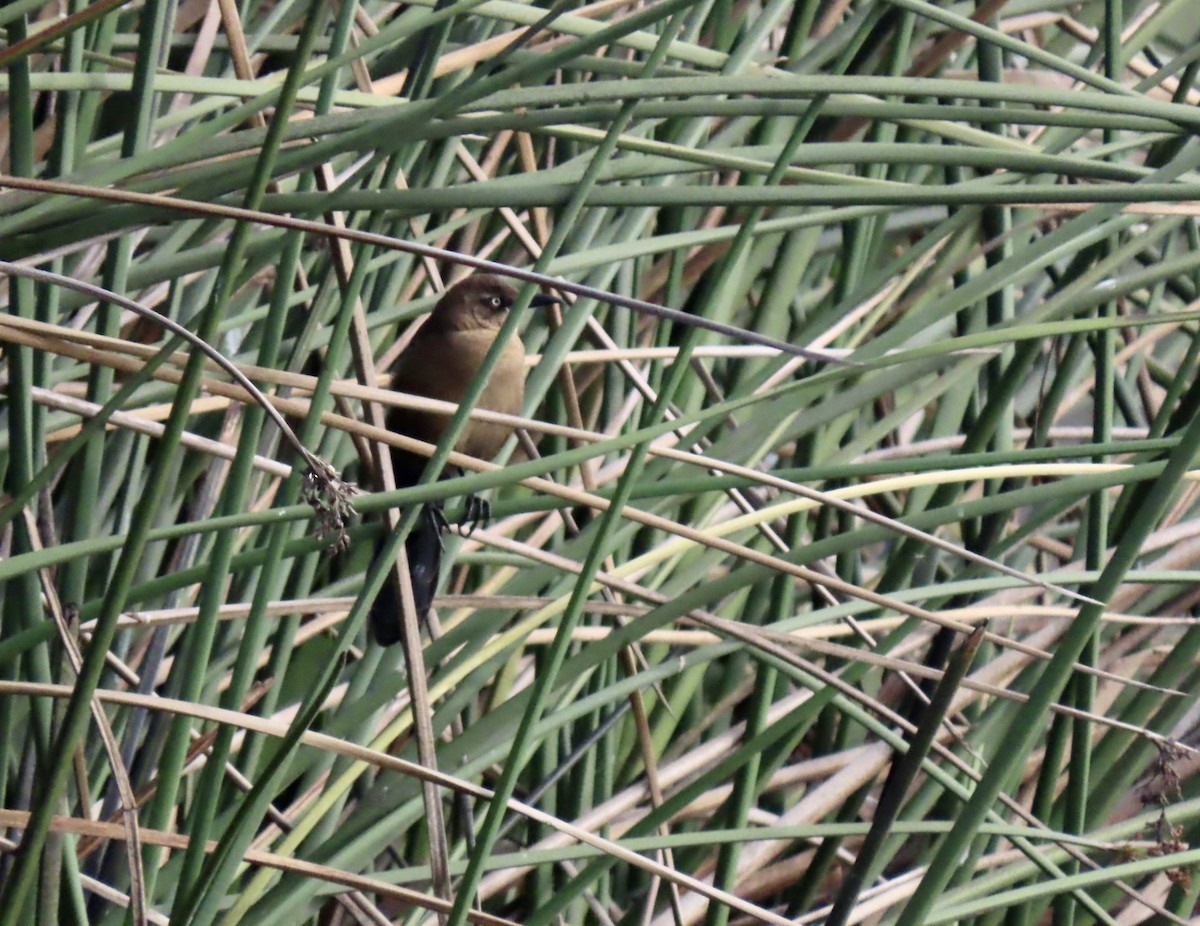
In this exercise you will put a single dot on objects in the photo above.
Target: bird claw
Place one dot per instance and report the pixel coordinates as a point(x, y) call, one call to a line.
point(437, 520)
point(478, 514)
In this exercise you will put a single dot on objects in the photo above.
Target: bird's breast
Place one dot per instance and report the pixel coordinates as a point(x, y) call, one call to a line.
point(441, 367)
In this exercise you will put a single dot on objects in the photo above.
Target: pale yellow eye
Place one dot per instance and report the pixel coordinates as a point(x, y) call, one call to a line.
point(495, 302)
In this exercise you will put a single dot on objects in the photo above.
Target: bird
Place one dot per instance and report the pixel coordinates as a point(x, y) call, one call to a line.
point(440, 362)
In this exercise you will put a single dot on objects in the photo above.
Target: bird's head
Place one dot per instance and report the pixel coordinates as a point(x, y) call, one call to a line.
point(479, 301)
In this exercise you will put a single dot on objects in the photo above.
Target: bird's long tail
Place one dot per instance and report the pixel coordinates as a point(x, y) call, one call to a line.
point(424, 548)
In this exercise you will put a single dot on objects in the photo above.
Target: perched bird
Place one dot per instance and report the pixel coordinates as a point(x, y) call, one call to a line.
point(439, 363)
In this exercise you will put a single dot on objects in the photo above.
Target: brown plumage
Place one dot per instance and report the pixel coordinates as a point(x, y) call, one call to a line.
point(439, 363)
point(441, 360)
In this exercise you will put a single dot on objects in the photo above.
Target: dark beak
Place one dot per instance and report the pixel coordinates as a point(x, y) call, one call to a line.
point(541, 300)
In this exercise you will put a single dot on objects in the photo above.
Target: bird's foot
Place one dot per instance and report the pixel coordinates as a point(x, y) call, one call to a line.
point(436, 519)
point(478, 514)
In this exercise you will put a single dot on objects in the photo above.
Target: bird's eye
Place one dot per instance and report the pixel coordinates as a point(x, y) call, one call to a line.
point(495, 302)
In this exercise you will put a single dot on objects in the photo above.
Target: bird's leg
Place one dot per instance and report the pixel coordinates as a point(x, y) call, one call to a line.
point(478, 513)
point(435, 519)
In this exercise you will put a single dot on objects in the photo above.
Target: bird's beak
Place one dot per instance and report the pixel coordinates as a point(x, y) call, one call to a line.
point(541, 300)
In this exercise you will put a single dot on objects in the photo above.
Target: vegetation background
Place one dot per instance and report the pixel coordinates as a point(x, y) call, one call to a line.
point(726, 592)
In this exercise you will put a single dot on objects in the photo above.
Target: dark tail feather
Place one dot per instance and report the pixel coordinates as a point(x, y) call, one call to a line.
point(424, 548)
